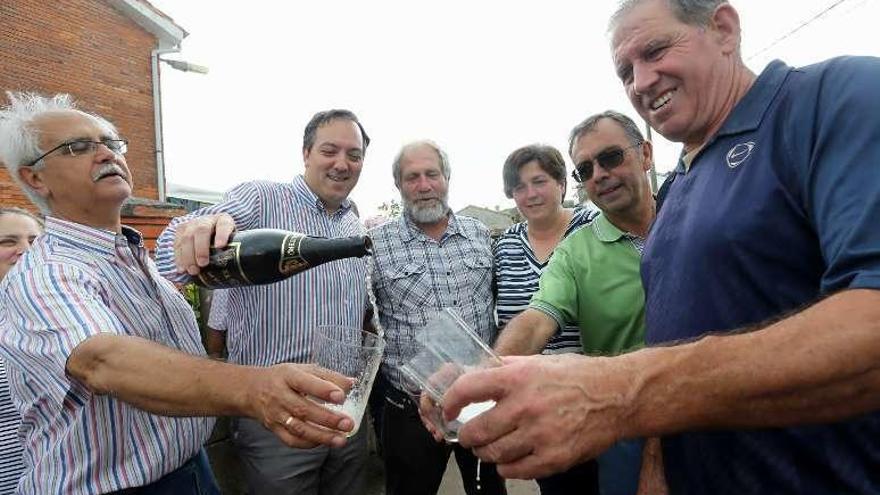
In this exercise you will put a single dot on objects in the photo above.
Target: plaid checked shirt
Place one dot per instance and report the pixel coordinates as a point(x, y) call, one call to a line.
point(415, 276)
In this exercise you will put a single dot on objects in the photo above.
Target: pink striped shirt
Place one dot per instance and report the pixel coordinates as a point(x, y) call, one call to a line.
point(76, 282)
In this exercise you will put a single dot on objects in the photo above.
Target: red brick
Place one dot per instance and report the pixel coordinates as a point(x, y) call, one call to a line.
point(92, 51)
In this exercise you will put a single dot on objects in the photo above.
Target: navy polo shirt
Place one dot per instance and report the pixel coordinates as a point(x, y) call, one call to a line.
point(779, 209)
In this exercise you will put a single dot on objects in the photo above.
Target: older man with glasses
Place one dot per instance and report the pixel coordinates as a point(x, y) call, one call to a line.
point(105, 360)
point(592, 278)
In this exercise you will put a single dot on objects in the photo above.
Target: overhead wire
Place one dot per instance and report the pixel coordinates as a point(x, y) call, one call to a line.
point(804, 24)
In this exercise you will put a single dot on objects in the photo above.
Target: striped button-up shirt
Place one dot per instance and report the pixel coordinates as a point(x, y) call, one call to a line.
point(274, 323)
point(218, 314)
point(76, 282)
point(415, 276)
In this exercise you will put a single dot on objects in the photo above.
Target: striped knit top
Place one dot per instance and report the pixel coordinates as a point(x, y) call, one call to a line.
point(517, 271)
point(11, 463)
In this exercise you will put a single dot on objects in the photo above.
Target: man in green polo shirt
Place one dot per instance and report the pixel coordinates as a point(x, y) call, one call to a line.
point(592, 278)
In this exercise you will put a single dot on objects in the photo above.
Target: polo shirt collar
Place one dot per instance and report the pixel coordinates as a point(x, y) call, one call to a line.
point(605, 230)
point(305, 195)
point(748, 113)
point(90, 238)
point(751, 110)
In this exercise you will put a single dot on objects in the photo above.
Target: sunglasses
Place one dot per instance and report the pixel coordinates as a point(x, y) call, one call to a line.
point(608, 160)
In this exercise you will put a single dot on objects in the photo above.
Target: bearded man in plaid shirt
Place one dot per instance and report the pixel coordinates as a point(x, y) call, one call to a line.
point(427, 260)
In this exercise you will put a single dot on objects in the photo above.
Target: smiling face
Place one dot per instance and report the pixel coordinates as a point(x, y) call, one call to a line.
point(423, 187)
point(622, 189)
point(333, 163)
point(89, 187)
point(17, 232)
point(679, 77)
point(538, 196)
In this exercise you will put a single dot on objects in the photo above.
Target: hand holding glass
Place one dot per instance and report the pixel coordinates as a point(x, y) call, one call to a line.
point(451, 349)
point(353, 353)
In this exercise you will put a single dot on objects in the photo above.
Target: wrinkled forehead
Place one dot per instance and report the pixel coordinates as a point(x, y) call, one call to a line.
point(60, 125)
point(420, 158)
point(640, 24)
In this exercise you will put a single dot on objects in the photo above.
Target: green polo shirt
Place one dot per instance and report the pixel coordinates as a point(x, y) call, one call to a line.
point(593, 281)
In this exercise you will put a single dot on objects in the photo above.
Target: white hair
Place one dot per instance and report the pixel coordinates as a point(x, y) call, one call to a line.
point(19, 137)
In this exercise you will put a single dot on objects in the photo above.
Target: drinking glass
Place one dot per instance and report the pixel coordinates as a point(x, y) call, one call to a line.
point(354, 353)
point(450, 349)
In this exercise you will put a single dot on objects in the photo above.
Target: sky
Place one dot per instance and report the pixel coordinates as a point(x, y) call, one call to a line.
point(479, 78)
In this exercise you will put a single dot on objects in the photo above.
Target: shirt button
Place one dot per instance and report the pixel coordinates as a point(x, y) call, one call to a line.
point(455, 303)
point(448, 273)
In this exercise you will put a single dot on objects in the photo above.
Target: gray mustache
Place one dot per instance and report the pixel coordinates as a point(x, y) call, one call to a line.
point(108, 169)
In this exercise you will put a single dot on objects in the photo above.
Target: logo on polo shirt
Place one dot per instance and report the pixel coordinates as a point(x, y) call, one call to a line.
point(739, 154)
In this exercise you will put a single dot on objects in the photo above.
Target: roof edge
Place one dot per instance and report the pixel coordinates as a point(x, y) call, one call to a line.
point(152, 20)
point(194, 193)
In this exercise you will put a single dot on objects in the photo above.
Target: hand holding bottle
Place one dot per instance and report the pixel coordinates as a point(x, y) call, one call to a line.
point(196, 237)
point(265, 256)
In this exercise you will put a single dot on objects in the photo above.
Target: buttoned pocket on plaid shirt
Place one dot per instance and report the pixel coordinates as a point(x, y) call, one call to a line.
point(479, 271)
point(410, 285)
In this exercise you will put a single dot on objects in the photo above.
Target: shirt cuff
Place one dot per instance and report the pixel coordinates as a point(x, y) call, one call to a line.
point(550, 311)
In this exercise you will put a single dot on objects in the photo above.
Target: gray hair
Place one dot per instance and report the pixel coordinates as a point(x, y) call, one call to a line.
point(589, 125)
point(19, 137)
point(444, 160)
point(692, 12)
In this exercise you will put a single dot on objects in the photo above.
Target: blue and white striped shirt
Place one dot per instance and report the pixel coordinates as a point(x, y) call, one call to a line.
point(274, 323)
point(76, 282)
point(218, 314)
point(416, 276)
point(11, 462)
point(517, 272)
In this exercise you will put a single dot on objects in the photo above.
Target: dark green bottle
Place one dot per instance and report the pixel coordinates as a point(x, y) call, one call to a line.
point(264, 256)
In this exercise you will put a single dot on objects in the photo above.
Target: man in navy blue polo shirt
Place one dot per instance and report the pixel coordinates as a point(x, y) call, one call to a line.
point(769, 234)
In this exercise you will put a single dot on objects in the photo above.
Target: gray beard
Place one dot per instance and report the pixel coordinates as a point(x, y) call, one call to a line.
point(426, 214)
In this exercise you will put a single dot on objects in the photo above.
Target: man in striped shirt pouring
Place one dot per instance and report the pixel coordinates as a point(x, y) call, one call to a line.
point(106, 365)
point(275, 323)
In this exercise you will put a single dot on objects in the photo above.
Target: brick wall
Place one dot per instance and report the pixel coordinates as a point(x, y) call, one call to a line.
point(95, 53)
point(150, 217)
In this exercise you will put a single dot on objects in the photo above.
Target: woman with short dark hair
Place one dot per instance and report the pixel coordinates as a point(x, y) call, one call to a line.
point(534, 176)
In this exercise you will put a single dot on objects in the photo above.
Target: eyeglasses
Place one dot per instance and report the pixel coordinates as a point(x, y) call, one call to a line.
point(83, 146)
point(608, 159)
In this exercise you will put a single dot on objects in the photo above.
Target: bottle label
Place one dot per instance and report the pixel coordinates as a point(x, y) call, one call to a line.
point(226, 268)
point(291, 261)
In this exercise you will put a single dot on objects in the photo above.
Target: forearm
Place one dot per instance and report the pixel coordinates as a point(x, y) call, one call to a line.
point(652, 479)
point(164, 256)
point(820, 365)
point(161, 380)
point(240, 206)
point(527, 333)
